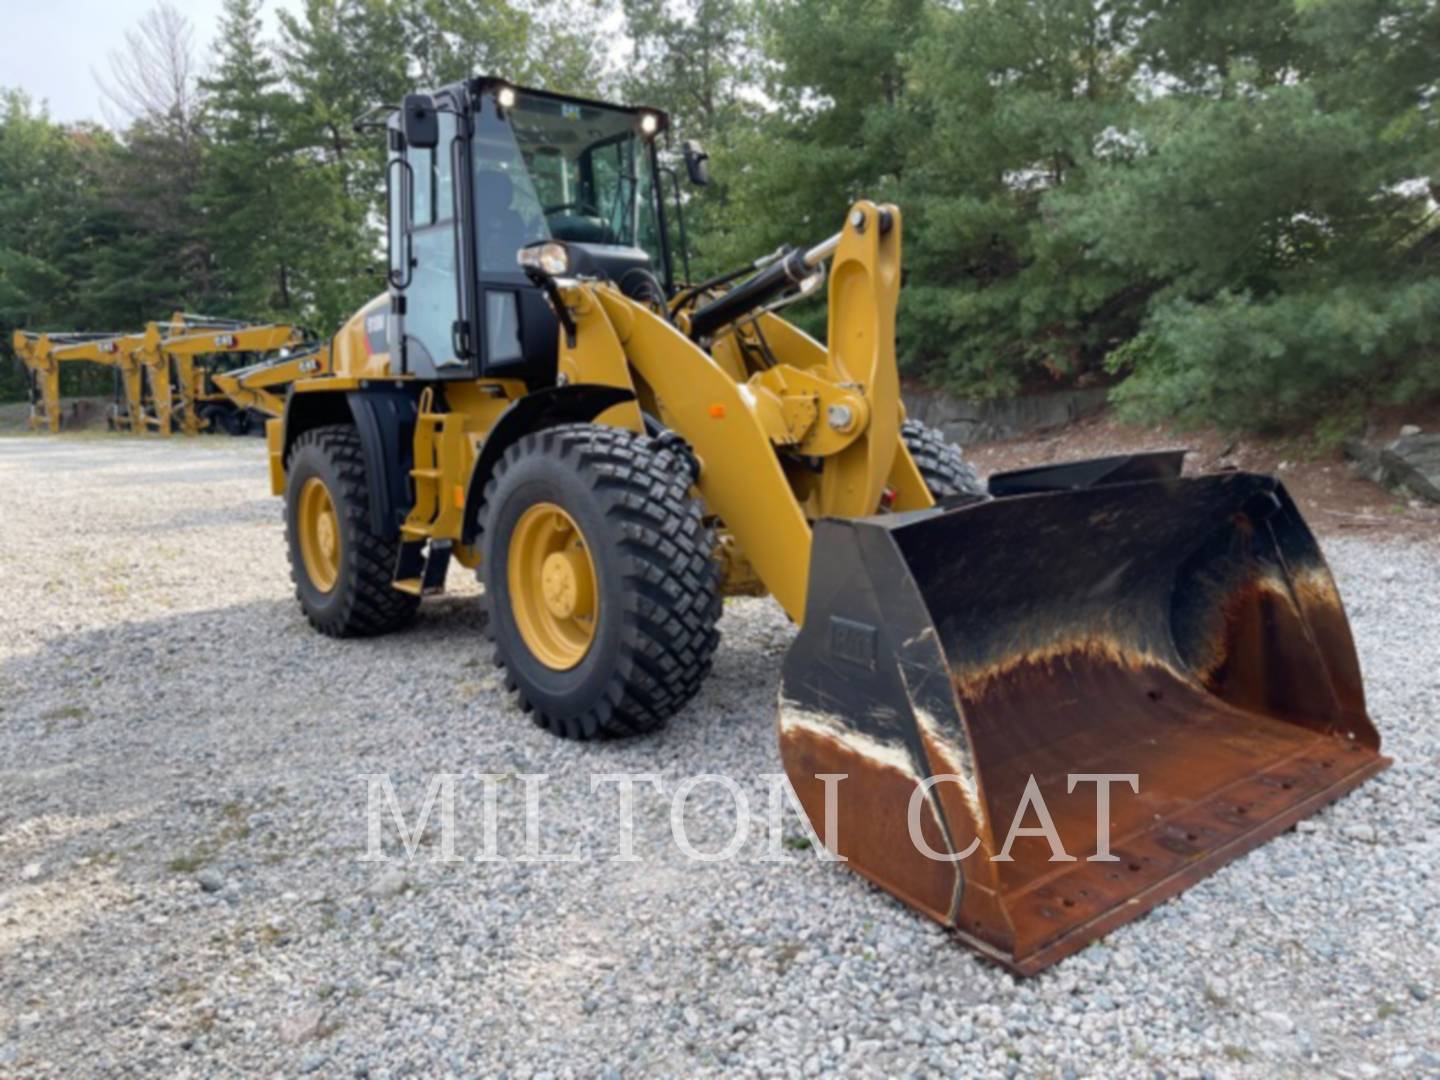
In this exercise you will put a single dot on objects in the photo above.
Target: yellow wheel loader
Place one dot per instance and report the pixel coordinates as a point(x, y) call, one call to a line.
point(538, 397)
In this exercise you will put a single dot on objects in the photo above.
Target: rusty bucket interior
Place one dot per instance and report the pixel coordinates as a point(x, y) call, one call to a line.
point(1107, 618)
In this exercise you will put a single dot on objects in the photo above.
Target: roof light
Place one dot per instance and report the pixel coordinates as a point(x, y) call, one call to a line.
point(505, 97)
point(649, 123)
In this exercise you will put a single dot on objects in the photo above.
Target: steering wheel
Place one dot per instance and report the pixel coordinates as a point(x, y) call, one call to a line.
point(584, 208)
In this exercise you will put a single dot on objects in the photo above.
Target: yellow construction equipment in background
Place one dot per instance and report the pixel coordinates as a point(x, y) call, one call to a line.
point(537, 396)
point(262, 387)
point(43, 372)
point(162, 381)
point(199, 392)
point(43, 354)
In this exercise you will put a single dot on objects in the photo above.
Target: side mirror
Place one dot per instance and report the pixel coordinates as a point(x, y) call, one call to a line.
point(420, 121)
point(697, 163)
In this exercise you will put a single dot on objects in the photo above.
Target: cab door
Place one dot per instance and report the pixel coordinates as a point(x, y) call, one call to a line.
point(430, 256)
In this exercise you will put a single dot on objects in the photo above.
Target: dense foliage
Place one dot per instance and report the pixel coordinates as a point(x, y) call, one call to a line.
point(1225, 208)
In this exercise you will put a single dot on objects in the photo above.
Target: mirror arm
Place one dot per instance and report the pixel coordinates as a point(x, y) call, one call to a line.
point(366, 121)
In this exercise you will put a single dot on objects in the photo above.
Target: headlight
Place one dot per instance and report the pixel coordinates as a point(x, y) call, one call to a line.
point(549, 258)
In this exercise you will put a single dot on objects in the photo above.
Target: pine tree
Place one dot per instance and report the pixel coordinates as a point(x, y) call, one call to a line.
point(251, 177)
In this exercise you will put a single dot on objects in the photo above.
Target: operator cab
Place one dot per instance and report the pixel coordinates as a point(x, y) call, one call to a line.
point(482, 169)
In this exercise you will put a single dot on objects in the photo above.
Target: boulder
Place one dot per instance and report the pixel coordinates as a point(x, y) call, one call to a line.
point(1414, 461)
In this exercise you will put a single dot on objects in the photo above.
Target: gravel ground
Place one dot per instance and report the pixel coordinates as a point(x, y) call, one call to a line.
point(182, 816)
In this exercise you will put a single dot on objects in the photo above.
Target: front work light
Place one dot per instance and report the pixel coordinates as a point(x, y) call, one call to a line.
point(548, 258)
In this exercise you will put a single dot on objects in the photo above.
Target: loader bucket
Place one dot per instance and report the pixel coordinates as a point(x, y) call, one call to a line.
point(1107, 617)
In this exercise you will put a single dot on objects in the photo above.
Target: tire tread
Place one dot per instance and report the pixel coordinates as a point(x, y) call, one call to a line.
point(370, 605)
point(671, 585)
point(942, 466)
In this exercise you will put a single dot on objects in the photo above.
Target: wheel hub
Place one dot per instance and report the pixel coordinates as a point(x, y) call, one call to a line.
point(325, 533)
point(551, 578)
point(561, 581)
point(319, 529)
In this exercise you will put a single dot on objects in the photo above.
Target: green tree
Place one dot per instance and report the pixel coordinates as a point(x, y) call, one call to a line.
point(543, 42)
point(340, 58)
point(699, 62)
point(1280, 201)
point(155, 256)
point(834, 79)
point(37, 181)
point(56, 231)
point(1225, 202)
point(35, 168)
point(251, 176)
point(1012, 103)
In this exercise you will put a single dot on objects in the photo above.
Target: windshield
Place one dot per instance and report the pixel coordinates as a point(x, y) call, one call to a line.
point(561, 170)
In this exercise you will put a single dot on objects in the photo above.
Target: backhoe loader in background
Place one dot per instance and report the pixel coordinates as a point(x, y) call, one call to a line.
point(161, 377)
point(42, 355)
point(537, 396)
point(196, 394)
point(261, 387)
point(43, 372)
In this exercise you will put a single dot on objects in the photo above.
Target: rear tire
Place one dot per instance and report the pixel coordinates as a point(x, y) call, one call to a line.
point(942, 466)
point(647, 635)
point(344, 585)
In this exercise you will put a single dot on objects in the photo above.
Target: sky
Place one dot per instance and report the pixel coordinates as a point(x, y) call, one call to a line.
point(55, 48)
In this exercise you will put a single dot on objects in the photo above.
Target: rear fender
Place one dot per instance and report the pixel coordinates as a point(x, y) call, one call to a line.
point(384, 418)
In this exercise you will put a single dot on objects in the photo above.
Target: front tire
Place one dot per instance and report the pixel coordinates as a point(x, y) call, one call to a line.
point(600, 580)
point(341, 566)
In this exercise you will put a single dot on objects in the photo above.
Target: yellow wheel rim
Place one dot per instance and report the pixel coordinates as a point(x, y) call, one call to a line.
point(552, 586)
point(319, 535)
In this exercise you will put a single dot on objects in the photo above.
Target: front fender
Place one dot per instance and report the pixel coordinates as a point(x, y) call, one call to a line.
point(577, 403)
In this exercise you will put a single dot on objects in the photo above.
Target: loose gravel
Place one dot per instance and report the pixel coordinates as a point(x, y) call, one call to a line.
point(183, 817)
